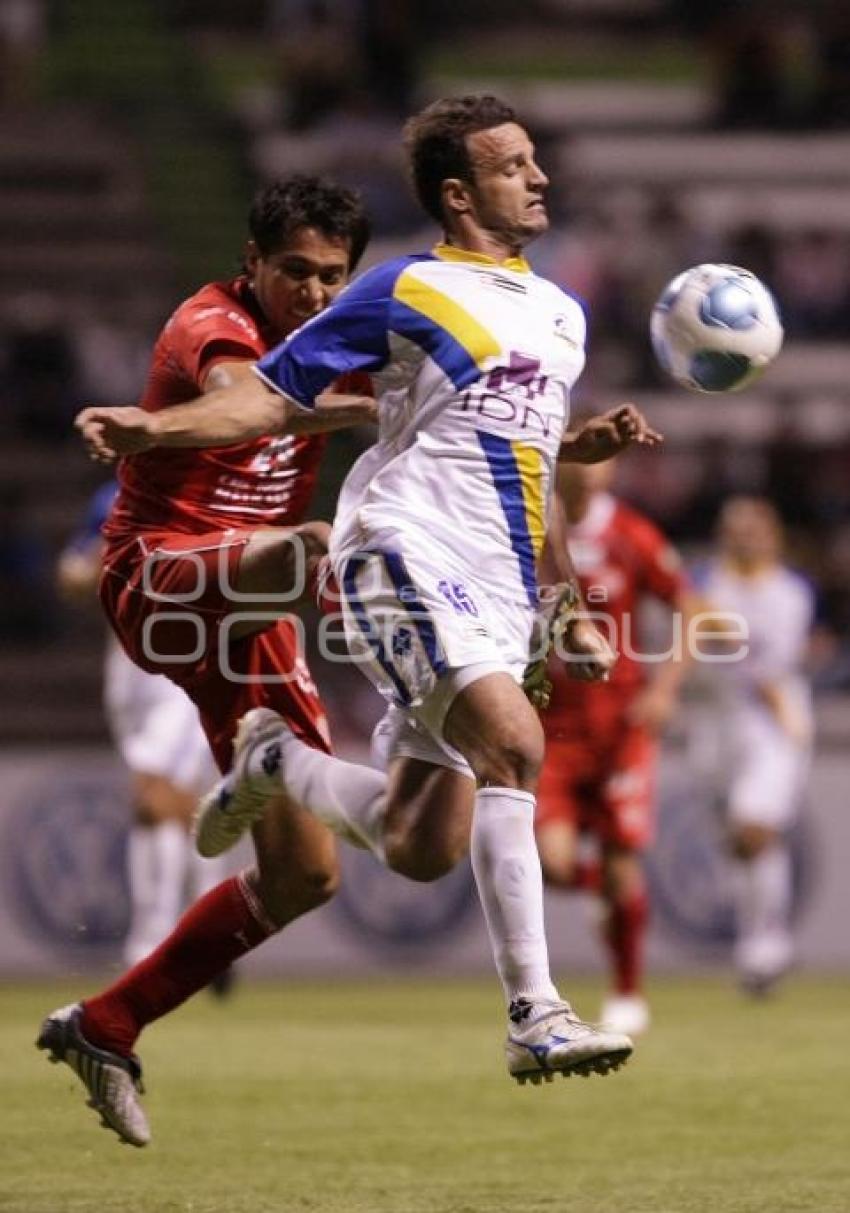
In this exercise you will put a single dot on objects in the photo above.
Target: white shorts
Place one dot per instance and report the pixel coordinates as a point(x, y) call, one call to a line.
point(759, 771)
point(422, 634)
point(154, 725)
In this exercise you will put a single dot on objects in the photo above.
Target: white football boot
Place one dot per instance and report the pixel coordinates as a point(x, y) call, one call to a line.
point(762, 960)
point(238, 800)
point(548, 1038)
point(113, 1082)
point(628, 1013)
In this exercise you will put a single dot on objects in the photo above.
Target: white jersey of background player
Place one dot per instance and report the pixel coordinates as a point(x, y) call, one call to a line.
point(155, 729)
point(756, 735)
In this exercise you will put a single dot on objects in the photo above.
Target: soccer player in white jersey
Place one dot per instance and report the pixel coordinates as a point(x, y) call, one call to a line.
point(757, 734)
point(437, 532)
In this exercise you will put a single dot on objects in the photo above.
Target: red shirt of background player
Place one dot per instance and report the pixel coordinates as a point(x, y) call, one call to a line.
point(599, 768)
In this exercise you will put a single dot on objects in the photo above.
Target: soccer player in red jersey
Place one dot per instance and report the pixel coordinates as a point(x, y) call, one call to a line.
point(598, 775)
point(476, 174)
point(198, 540)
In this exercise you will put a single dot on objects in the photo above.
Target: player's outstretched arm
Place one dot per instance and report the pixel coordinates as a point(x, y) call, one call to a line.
point(607, 435)
point(246, 409)
point(333, 412)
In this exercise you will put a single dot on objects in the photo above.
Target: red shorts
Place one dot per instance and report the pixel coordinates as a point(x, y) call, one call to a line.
point(169, 600)
point(601, 784)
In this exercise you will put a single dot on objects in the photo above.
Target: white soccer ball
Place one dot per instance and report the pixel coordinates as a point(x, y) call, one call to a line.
point(715, 328)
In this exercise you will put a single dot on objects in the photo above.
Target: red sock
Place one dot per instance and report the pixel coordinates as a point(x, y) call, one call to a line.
point(624, 932)
point(222, 926)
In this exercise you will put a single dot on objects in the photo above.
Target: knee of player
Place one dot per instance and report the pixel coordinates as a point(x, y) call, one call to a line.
point(315, 536)
point(749, 840)
point(286, 895)
point(512, 760)
point(622, 874)
point(557, 869)
point(319, 884)
point(422, 865)
point(155, 801)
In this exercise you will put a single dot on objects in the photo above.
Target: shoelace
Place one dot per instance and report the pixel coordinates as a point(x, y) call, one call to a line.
point(564, 1010)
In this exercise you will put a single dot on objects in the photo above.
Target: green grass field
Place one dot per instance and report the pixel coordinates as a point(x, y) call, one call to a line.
point(388, 1098)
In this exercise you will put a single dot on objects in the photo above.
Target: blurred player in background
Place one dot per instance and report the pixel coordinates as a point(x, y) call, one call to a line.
point(598, 777)
point(202, 532)
point(155, 729)
point(754, 739)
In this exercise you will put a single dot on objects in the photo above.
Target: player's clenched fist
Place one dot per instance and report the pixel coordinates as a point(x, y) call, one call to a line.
point(585, 651)
point(110, 432)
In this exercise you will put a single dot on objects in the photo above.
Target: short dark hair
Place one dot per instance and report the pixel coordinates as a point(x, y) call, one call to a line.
point(435, 141)
point(282, 207)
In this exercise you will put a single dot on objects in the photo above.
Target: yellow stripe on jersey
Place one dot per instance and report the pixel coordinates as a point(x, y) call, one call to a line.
point(449, 252)
point(529, 462)
point(479, 343)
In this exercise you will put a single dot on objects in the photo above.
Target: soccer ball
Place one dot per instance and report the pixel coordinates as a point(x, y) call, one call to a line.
point(715, 328)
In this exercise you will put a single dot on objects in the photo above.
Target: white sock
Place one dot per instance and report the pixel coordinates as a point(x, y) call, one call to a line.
point(205, 874)
point(510, 884)
point(156, 862)
point(762, 891)
point(351, 800)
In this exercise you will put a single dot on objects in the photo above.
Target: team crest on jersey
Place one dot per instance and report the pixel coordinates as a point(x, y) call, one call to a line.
point(562, 324)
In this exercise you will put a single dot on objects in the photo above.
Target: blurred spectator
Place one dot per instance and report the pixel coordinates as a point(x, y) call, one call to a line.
point(832, 98)
point(336, 56)
point(114, 356)
point(28, 614)
point(835, 607)
point(753, 245)
point(22, 32)
point(763, 58)
point(313, 45)
point(390, 40)
point(41, 373)
point(812, 278)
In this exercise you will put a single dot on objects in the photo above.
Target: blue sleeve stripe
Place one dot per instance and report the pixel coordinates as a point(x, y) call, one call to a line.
point(276, 387)
point(449, 355)
point(508, 482)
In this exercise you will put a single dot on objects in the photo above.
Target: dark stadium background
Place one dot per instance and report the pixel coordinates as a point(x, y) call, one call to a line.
point(132, 135)
point(364, 1073)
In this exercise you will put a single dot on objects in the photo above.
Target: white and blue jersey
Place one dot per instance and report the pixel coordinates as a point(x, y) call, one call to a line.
point(472, 362)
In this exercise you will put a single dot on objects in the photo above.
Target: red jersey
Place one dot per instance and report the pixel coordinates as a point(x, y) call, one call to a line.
point(265, 482)
point(620, 557)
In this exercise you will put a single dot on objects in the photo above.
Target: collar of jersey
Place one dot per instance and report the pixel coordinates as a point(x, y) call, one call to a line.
point(448, 252)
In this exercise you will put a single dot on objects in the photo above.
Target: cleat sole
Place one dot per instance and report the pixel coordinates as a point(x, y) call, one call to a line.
point(607, 1063)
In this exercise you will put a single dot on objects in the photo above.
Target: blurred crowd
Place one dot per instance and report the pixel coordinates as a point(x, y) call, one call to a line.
point(353, 69)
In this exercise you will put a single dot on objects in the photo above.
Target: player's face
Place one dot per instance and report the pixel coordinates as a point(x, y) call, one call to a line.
point(298, 280)
point(507, 192)
point(749, 533)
